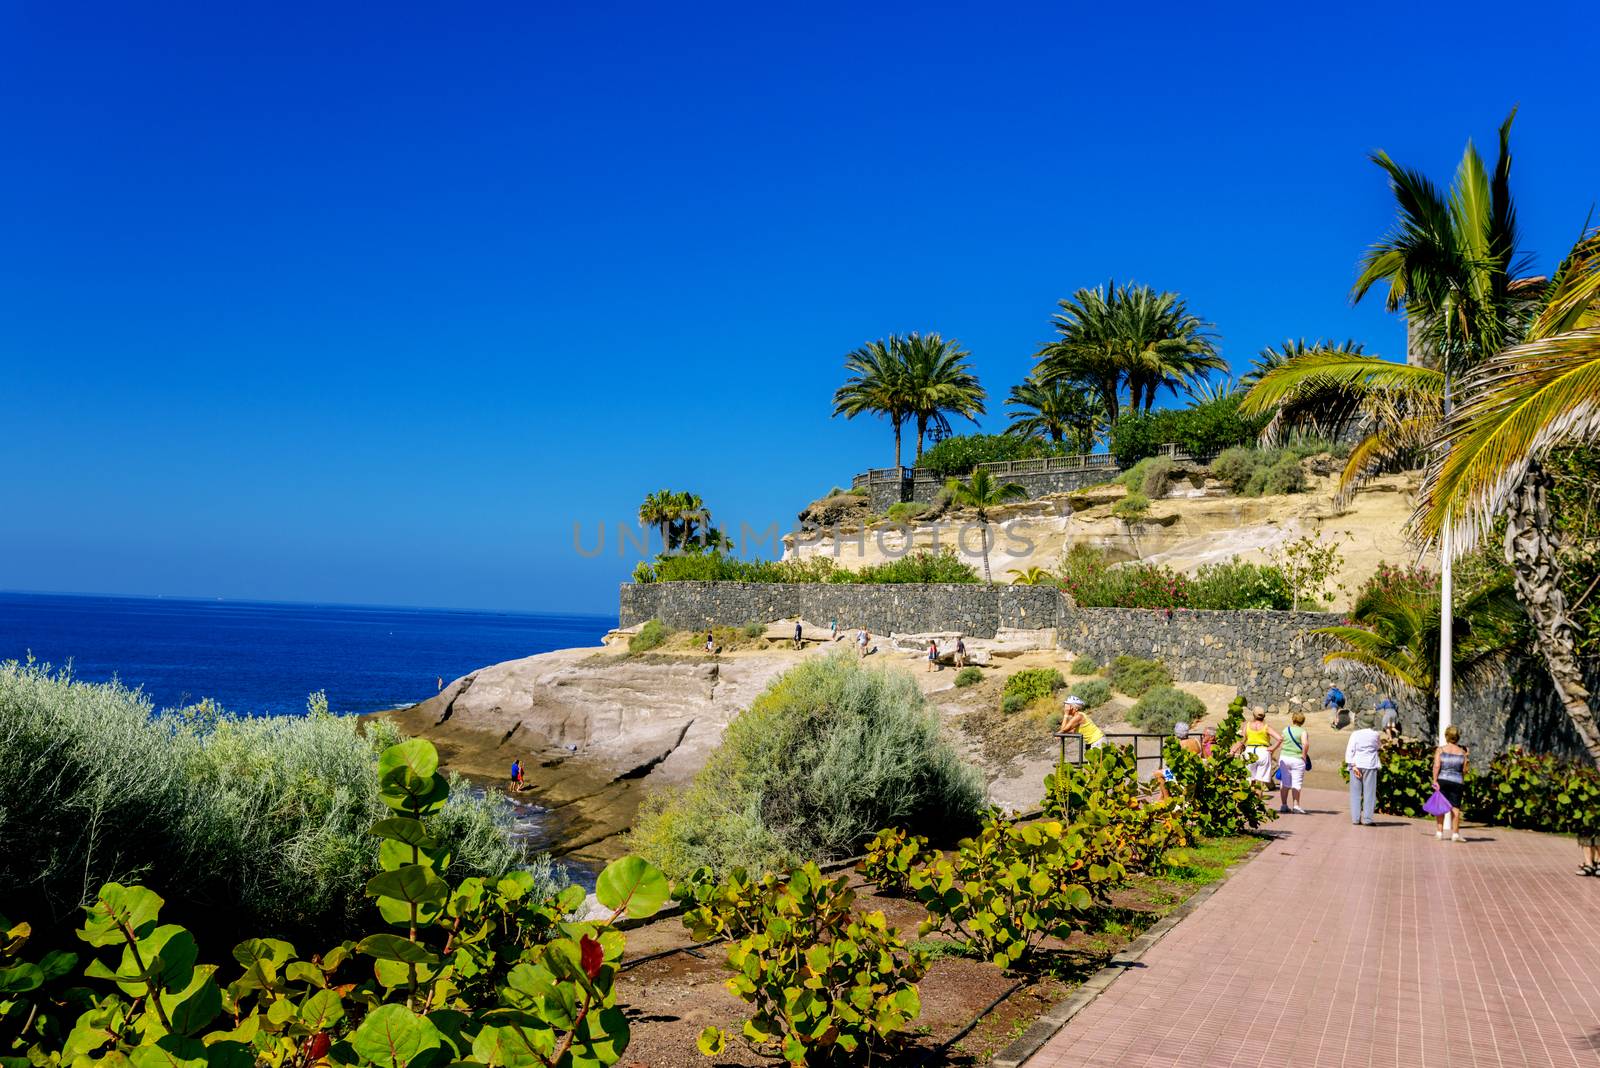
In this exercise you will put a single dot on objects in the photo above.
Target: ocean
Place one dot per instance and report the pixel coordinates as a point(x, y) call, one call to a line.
point(259, 658)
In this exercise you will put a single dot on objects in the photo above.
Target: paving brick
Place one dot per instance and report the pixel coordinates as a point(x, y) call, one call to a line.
point(1344, 946)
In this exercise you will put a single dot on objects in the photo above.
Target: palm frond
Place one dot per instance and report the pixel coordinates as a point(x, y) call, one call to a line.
point(1525, 401)
point(1331, 368)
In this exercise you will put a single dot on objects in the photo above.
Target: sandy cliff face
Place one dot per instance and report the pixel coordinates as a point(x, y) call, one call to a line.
point(1192, 526)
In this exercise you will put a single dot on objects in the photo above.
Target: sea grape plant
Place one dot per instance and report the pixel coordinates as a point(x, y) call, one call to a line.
point(891, 857)
point(479, 972)
point(827, 985)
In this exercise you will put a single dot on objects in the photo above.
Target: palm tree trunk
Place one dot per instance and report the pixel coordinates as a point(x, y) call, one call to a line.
point(987, 577)
point(922, 428)
point(897, 443)
point(1531, 551)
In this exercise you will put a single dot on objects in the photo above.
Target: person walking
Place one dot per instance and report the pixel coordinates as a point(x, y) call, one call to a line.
point(1294, 759)
point(933, 655)
point(1450, 779)
point(799, 635)
point(1334, 702)
point(961, 651)
point(1389, 723)
point(1361, 757)
point(516, 774)
point(862, 637)
point(1259, 745)
point(833, 629)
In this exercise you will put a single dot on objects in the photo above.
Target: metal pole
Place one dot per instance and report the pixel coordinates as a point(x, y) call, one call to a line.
point(1446, 609)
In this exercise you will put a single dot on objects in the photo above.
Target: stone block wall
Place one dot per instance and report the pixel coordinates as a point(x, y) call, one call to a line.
point(882, 608)
point(1037, 483)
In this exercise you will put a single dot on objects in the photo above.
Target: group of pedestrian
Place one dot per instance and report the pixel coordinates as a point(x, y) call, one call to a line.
point(960, 654)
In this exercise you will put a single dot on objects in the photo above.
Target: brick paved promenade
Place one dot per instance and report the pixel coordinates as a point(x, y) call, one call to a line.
point(1366, 946)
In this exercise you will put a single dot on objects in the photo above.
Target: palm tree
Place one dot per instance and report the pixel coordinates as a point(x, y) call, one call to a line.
point(659, 510)
point(876, 385)
point(1056, 409)
point(1520, 405)
point(937, 380)
point(981, 492)
point(1450, 262)
point(1128, 335)
point(1033, 576)
point(1396, 633)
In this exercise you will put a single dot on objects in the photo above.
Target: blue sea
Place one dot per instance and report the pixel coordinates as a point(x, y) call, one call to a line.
point(258, 658)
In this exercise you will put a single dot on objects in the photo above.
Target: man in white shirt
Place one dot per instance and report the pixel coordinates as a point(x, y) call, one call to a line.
point(1361, 757)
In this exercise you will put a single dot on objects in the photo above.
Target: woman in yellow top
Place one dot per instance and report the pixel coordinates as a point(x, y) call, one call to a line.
point(1076, 721)
point(1260, 746)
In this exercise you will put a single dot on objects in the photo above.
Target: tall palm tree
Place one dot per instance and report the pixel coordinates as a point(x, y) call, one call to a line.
point(659, 510)
point(1128, 335)
point(1450, 262)
point(876, 385)
point(938, 381)
point(1519, 405)
point(1057, 409)
point(981, 492)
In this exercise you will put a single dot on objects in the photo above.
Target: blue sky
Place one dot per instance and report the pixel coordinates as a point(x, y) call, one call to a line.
point(371, 303)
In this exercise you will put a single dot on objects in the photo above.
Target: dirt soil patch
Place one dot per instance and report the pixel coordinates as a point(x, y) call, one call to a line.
point(970, 1009)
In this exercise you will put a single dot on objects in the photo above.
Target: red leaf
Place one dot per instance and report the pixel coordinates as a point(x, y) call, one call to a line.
point(590, 956)
point(316, 1046)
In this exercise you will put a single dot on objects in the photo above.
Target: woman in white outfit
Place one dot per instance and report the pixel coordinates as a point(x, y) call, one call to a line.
point(1259, 746)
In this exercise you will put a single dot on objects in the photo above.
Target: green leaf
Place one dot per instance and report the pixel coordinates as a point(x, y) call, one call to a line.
point(406, 831)
point(170, 1051)
point(513, 1047)
point(632, 883)
point(392, 1035)
point(321, 1010)
point(393, 947)
point(414, 884)
point(711, 1042)
point(21, 978)
point(196, 1005)
point(119, 906)
point(413, 759)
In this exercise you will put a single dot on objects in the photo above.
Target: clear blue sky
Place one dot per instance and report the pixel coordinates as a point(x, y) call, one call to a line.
point(370, 303)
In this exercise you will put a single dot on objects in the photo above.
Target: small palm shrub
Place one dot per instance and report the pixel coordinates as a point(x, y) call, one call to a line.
point(1032, 683)
point(1095, 692)
point(968, 676)
point(652, 635)
point(1085, 665)
point(828, 754)
point(1133, 676)
point(1163, 706)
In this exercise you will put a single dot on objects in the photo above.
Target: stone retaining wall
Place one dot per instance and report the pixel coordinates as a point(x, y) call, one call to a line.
point(882, 608)
point(1036, 483)
point(1273, 658)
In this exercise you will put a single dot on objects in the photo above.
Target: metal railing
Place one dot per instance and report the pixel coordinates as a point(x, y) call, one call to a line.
point(1043, 465)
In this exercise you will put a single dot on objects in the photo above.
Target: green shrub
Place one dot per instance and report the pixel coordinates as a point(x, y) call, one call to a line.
point(890, 858)
point(268, 814)
point(1201, 430)
point(1154, 473)
point(1163, 706)
point(1085, 665)
point(1235, 466)
point(1217, 793)
point(1013, 703)
point(433, 990)
point(1236, 584)
point(754, 629)
point(1032, 683)
point(649, 636)
point(1132, 508)
point(829, 753)
point(968, 676)
point(959, 454)
point(824, 982)
point(1094, 583)
point(1253, 472)
point(906, 511)
point(922, 566)
point(1133, 676)
point(1095, 692)
point(1232, 723)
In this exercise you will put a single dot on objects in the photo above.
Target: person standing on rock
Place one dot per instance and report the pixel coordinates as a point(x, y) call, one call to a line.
point(799, 635)
point(961, 651)
point(933, 655)
point(862, 637)
point(516, 774)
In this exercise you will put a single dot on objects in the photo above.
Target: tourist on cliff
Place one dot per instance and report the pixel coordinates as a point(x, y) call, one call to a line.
point(1361, 757)
point(1294, 760)
point(1450, 779)
point(1074, 720)
point(1259, 746)
point(933, 655)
